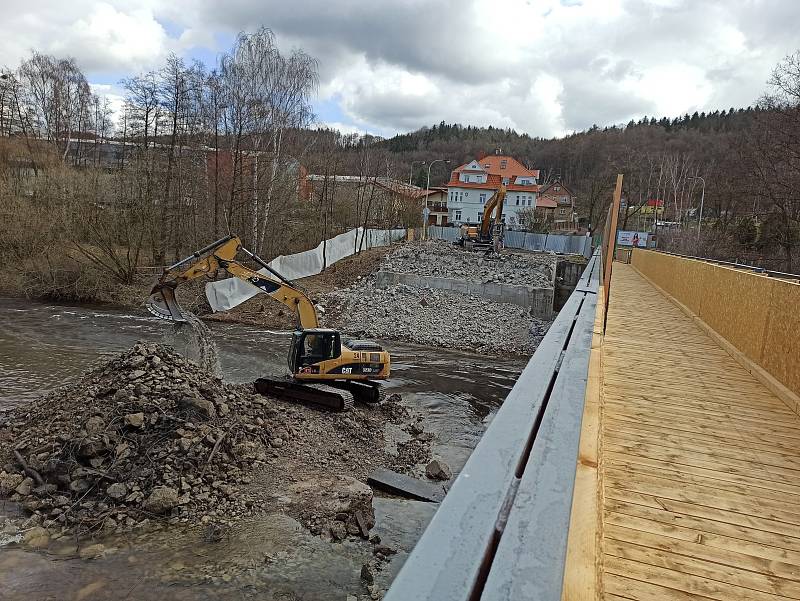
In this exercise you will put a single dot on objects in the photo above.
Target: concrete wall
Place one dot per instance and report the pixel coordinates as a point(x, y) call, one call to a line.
point(538, 300)
point(757, 315)
point(566, 278)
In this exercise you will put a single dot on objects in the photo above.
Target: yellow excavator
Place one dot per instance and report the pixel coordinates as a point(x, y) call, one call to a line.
point(488, 233)
point(326, 369)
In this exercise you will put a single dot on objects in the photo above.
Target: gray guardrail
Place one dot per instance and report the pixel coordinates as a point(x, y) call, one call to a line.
point(501, 531)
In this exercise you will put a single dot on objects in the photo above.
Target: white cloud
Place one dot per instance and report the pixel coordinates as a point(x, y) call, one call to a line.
point(541, 66)
point(101, 36)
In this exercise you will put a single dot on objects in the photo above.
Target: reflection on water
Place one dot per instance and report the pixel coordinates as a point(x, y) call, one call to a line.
point(43, 346)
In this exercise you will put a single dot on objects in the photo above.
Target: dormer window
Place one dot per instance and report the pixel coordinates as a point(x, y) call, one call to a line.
point(503, 164)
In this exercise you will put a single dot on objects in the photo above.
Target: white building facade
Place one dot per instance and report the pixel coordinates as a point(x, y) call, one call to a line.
point(471, 186)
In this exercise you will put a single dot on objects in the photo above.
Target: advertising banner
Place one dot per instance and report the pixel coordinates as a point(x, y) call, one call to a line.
point(638, 239)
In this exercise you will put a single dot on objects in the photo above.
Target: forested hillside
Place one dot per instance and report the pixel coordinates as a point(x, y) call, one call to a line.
point(748, 158)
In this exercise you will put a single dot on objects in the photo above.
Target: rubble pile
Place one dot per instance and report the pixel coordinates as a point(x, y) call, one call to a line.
point(444, 318)
point(438, 258)
point(435, 318)
point(151, 436)
point(147, 434)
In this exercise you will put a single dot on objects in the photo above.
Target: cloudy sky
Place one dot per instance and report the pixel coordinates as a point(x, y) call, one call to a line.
point(545, 67)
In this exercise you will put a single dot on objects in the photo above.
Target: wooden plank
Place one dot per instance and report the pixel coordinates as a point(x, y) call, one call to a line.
point(736, 438)
point(761, 574)
point(682, 581)
point(674, 476)
point(582, 569)
point(619, 587)
point(710, 452)
point(699, 511)
point(711, 476)
point(694, 543)
point(622, 428)
point(671, 559)
point(705, 460)
point(779, 546)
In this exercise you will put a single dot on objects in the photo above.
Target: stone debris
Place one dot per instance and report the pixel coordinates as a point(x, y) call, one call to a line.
point(436, 318)
point(438, 470)
point(441, 317)
point(438, 258)
point(151, 437)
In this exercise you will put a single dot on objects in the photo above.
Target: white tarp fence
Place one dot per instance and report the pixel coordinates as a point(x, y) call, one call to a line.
point(228, 293)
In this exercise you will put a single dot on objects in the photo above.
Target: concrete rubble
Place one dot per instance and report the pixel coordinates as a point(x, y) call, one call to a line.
point(445, 318)
point(442, 259)
point(150, 438)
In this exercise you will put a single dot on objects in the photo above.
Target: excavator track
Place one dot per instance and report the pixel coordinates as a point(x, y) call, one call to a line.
point(320, 395)
point(370, 393)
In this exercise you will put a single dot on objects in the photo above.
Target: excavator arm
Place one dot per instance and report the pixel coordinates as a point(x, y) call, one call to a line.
point(495, 202)
point(222, 255)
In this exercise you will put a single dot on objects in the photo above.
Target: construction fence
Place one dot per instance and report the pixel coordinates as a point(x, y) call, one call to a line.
point(567, 245)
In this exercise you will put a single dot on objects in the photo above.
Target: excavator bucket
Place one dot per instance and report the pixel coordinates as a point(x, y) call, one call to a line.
point(163, 304)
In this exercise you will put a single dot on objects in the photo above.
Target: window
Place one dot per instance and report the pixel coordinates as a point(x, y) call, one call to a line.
point(480, 216)
point(517, 199)
point(457, 216)
point(562, 211)
point(530, 198)
point(483, 198)
point(557, 188)
point(503, 164)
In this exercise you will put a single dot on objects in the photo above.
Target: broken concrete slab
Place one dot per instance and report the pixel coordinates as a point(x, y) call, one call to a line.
point(405, 486)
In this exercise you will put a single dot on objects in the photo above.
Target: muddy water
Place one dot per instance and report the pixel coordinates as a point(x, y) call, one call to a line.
point(44, 345)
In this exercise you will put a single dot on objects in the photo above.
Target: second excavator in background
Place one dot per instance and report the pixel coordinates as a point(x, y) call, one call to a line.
point(324, 368)
point(488, 234)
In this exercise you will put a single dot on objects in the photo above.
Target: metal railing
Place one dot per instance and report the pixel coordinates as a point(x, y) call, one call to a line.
point(501, 531)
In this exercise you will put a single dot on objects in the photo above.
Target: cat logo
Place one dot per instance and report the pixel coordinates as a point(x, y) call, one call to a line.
point(347, 370)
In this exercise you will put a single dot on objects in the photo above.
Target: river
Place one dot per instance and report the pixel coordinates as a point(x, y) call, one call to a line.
point(43, 346)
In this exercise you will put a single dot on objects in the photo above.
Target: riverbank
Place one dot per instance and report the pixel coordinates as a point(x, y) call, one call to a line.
point(264, 557)
point(348, 299)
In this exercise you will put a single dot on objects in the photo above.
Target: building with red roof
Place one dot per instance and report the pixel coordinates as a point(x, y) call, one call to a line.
point(564, 217)
point(471, 185)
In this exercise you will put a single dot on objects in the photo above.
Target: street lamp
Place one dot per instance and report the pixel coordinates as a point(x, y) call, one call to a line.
point(411, 175)
point(428, 185)
point(702, 200)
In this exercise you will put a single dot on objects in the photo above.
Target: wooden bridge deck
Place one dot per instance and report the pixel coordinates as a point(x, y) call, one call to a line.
point(699, 463)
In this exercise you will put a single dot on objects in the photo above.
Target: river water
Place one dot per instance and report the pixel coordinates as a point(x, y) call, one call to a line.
point(43, 346)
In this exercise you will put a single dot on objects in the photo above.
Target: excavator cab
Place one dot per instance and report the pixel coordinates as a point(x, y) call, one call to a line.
point(311, 347)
